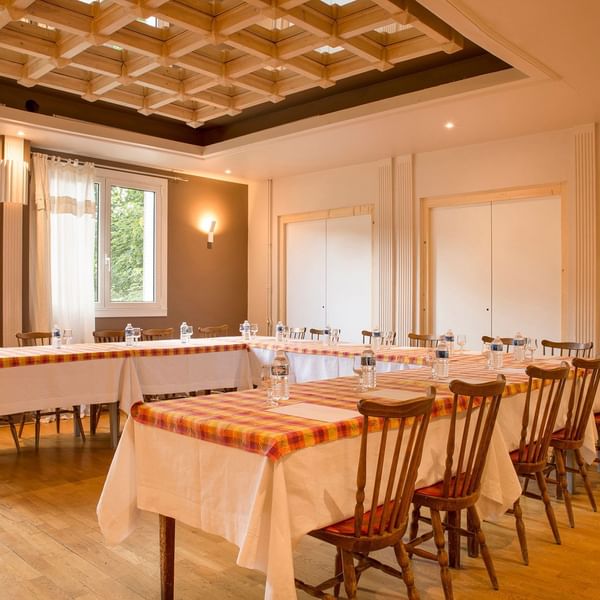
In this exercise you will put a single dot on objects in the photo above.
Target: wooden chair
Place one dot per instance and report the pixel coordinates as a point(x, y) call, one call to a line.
point(383, 522)
point(157, 334)
point(315, 334)
point(103, 336)
point(542, 402)
point(579, 349)
point(388, 338)
point(422, 340)
point(506, 341)
point(213, 331)
point(297, 333)
point(41, 338)
point(570, 438)
point(466, 454)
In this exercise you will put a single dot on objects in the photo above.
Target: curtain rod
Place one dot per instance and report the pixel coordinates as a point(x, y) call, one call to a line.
point(120, 169)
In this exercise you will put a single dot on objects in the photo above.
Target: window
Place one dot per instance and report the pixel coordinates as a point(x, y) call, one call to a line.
point(131, 245)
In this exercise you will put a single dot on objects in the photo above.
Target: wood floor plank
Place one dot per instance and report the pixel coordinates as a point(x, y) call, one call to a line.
point(51, 547)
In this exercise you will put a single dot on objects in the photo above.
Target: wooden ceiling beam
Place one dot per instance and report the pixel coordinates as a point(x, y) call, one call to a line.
point(21, 42)
point(186, 42)
point(157, 100)
point(96, 63)
point(102, 84)
point(111, 19)
point(242, 66)
point(198, 83)
point(139, 65)
point(297, 45)
point(307, 67)
point(185, 17)
point(252, 44)
point(201, 64)
point(236, 19)
point(58, 17)
point(136, 42)
point(413, 48)
point(70, 45)
point(362, 22)
point(312, 21)
point(9, 69)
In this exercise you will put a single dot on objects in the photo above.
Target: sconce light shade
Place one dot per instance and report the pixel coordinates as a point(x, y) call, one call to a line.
point(211, 234)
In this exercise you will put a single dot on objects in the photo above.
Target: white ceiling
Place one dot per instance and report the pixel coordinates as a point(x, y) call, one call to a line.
point(557, 49)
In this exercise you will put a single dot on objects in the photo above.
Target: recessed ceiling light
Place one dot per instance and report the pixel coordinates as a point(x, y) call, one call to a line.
point(227, 171)
point(449, 125)
point(21, 133)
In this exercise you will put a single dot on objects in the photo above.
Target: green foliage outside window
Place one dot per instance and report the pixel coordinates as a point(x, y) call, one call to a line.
point(127, 244)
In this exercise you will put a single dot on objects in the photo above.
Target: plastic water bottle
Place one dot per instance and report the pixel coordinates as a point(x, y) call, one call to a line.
point(497, 353)
point(56, 337)
point(183, 333)
point(326, 335)
point(245, 329)
point(442, 358)
point(449, 337)
point(129, 334)
point(376, 339)
point(519, 347)
point(280, 370)
point(279, 332)
point(368, 378)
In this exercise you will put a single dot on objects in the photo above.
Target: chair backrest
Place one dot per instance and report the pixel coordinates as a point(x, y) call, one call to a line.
point(581, 399)
point(388, 338)
point(34, 338)
point(422, 340)
point(166, 333)
point(544, 392)
point(394, 481)
point(507, 342)
point(466, 450)
point(109, 335)
point(580, 349)
point(315, 334)
point(213, 331)
point(297, 333)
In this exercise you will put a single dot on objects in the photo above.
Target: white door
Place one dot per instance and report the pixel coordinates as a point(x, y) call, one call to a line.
point(306, 274)
point(328, 276)
point(349, 289)
point(527, 268)
point(460, 263)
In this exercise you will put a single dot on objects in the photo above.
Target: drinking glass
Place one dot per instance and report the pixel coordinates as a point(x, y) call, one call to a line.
point(530, 348)
point(253, 330)
point(486, 351)
point(189, 332)
point(266, 385)
point(388, 338)
point(286, 334)
point(461, 340)
point(137, 334)
point(431, 362)
point(334, 337)
point(67, 336)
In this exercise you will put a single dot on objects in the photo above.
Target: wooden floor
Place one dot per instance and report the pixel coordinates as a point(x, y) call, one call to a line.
point(51, 547)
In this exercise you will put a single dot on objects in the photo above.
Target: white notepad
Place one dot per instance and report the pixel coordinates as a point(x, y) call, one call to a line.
point(316, 412)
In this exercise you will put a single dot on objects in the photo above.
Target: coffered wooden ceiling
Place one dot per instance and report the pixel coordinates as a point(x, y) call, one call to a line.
point(194, 61)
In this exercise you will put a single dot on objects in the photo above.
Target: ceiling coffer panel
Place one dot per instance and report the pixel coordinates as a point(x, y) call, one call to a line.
point(197, 61)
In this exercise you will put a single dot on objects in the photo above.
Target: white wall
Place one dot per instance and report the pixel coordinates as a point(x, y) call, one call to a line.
point(530, 160)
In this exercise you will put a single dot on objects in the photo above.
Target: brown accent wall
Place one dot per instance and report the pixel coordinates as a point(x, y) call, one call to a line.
point(205, 287)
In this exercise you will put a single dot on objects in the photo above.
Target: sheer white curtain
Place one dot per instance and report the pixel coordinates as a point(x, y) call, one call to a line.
point(63, 252)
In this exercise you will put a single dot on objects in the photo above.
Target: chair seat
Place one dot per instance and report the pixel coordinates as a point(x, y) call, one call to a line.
point(597, 419)
point(346, 527)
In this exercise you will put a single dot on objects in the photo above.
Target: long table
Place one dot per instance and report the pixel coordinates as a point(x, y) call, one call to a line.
point(229, 466)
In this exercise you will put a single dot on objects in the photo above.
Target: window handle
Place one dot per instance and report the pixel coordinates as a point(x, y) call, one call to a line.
point(107, 262)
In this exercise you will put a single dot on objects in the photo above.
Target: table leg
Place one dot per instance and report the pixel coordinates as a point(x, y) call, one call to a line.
point(113, 411)
point(167, 556)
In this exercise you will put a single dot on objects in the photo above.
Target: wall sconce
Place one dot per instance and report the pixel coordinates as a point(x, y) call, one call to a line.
point(211, 234)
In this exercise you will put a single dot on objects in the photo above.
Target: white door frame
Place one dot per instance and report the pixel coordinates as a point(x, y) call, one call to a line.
point(284, 220)
point(427, 204)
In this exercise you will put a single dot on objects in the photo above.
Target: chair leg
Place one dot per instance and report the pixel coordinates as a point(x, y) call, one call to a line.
point(13, 431)
point(584, 474)
point(453, 523)
point(78, 423)
point(350, 584)
point(548, 505)
point(485, 553)
point(38, 417)
point(57, 418)
point(414, 524)
point(438, 536)
point(561, 473)
point(22, 425)
point(93, 418)
point(521, 530)
point(338, 569)
point(407, 572)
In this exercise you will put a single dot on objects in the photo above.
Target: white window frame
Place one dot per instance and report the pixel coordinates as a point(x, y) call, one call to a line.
point(106, 178)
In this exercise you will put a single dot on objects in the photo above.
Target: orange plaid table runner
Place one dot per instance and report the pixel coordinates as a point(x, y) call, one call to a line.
point(241, 419)
point(41, 355)
point(411, 356)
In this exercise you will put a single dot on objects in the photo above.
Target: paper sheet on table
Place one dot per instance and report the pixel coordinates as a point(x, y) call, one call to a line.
point(316, 412)
point(393, 394)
